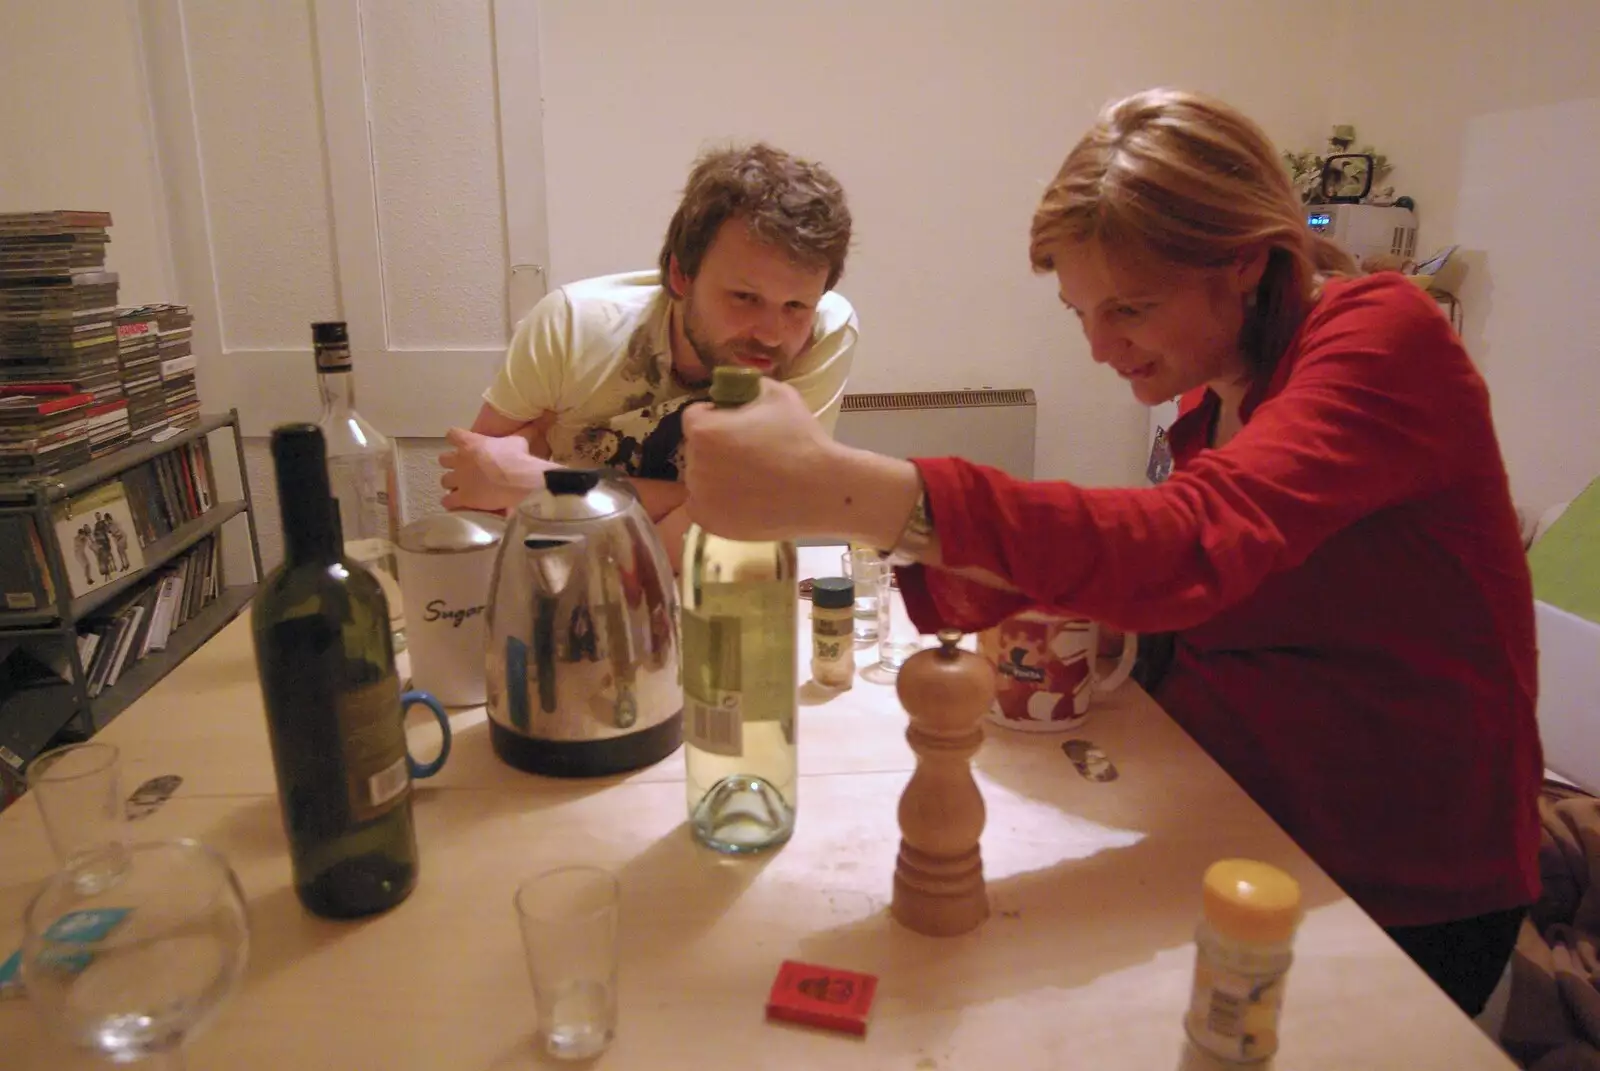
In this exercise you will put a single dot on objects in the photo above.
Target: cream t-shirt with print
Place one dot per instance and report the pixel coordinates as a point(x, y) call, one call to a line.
point(598, 354)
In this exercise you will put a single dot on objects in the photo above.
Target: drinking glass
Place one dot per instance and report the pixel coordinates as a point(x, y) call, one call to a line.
point(569, 933)
point(132, 969)
point(898, 638)
point(79, 795)
point(871, 576)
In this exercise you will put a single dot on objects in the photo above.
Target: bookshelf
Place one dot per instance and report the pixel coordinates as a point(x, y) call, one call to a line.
point(39, 709)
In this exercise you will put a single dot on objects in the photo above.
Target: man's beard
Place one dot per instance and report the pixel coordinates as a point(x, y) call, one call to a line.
point(712, 356)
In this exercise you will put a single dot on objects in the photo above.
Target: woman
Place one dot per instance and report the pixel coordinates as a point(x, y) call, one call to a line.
point(1336, 550)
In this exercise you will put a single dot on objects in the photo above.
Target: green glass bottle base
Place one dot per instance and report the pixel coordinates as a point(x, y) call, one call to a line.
point(355, 888)
point(742, 815)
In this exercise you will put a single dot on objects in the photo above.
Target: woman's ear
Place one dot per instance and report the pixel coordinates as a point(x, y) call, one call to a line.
point(1250, 267)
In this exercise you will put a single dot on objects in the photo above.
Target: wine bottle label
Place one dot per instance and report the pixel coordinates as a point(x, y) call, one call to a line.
point(333, 356)
point(374, 740)
point(738, 663)
point(715, 727)
point(713, 707)
point(386, 785)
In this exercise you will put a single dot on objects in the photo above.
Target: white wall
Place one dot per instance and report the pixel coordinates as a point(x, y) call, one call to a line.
point(82, 138)
point(942, 120)
point(265, 188)
point(429, 73)
point(1536, 329)
point(436, 157)
point(90, 142)
point(1489, 110)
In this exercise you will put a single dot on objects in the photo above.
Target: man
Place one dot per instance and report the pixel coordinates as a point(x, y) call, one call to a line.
point(119, 540)
point(102, 547)
point(81, 542)
point(599, 372)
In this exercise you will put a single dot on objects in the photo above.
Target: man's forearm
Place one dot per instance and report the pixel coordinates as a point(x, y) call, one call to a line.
point(671, 529)
point(660, 497)
point(527, 473)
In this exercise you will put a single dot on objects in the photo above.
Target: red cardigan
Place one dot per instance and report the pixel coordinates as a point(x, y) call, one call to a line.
point(1354, 616)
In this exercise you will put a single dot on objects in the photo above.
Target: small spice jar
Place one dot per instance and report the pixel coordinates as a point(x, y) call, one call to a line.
point(833, 650)
point(1242, 955)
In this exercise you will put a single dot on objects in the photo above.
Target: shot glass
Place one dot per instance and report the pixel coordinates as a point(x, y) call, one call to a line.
point(871, 576)
point(79, 792)
point(569, 932)
point(898, 638)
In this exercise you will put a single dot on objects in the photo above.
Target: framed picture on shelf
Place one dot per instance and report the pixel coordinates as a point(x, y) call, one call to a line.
point(98, 541)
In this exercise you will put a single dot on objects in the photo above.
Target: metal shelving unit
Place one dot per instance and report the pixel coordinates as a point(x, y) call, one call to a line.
point(32, 717)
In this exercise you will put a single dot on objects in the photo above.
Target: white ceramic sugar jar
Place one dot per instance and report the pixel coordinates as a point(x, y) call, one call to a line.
point(445, 562)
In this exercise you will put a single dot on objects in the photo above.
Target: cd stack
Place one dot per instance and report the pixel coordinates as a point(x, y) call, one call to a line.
point(139, 354)
point(61, 398)
point(42, 435)
point(175, 325)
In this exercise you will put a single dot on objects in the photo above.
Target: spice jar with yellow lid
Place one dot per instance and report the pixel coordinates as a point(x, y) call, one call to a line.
point(1242, 955)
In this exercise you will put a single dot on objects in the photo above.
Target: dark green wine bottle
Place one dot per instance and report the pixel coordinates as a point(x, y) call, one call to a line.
point(326, 659)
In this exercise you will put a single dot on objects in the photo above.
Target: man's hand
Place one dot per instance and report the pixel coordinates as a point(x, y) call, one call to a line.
point(488, 472)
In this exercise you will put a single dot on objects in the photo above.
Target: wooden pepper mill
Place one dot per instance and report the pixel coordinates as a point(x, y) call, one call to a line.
point(938, 877)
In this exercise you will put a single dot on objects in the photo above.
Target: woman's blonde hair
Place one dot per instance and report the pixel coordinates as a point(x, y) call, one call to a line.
point(1190, 180)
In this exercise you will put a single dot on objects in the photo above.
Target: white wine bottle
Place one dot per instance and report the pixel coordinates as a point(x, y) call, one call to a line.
point(364, 468)
point(326, 662)
point(739, 634)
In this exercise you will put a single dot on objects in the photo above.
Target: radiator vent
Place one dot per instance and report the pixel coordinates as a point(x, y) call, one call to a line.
point(934, 399)
point(992, 427)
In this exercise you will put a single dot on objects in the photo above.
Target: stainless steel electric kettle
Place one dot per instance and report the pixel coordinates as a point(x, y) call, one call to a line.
point(582, 660)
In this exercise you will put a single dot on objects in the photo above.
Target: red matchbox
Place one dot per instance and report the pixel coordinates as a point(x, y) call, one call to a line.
point(828, 997)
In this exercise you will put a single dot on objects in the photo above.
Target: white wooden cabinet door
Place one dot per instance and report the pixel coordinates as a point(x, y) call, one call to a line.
point(376, 161)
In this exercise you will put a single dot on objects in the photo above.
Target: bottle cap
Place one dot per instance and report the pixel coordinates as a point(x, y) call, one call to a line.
point(833, 592)
point(330, 342)
point(330, 332)
point(1251, 901)
point(731, 385)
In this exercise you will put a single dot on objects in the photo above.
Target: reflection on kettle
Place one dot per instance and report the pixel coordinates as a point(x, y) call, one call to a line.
point(582, 660)
point(581, 631)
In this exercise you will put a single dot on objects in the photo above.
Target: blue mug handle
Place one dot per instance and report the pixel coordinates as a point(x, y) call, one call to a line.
point(409, 699)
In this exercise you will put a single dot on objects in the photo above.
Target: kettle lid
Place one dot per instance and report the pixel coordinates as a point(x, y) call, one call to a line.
point(578, 495)
point(445, 533)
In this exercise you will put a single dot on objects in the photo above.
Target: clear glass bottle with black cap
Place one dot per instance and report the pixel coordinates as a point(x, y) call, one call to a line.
point(363, 468)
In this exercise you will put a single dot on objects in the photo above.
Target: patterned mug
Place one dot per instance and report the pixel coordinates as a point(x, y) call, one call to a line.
point(1045, 670)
